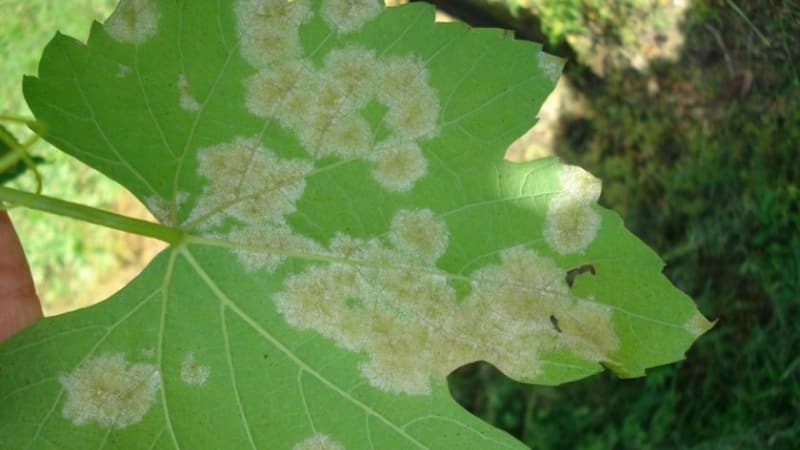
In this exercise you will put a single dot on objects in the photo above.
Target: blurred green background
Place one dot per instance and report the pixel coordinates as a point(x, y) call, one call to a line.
point(74, 264)
point(688, 111)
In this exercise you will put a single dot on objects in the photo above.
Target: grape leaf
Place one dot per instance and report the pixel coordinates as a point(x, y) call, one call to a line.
point(351, 235)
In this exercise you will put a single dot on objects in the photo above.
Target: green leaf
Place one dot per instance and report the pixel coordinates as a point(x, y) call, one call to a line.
point(352, 235)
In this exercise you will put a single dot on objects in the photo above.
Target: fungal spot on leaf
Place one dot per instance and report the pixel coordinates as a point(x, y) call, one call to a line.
point(133, 22)
point(123, 71)
point(419, 234)
point(269, 88)
point(248, 182)
point(396, 306)
point(164, 210)
point(187, 101)
point(355, 70)
point(323, 105)
point(570, 226)
point(415, 116)
point(346, 16)
point(579, 184)
point(268, 29)
point(109, 391)
point(193, 373)
point(347, 137)
point(398, 165)
point(318, 441)
point(402, 77)
point(698, 324)
point(519, 296)
point(572, 273)
point(264, 245)
point(571, 223)
point(551, 66)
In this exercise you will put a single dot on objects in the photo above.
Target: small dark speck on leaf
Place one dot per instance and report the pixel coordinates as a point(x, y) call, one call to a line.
point(572, 273)
point(554, 321)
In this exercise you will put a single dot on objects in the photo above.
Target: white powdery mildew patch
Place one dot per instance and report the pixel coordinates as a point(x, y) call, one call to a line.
point(697, 325)
point(572, 223)
point(579, 184)
point(318, 441)
point(525, 308)
point(398, 165)
point(551, 66)
point(123, 71)
point(347, 16)
point(268, 29)
point(270, 88)
point(109, 391)
point(418, 233)
point(248, 182)
point(413, 106)
point(324, 105)
point(193, 373)
point(133, 22)
point(401, 311)
point(164, 210)
point(354, 69)
point(187, 101)
point(267, 245)
point(160, 208)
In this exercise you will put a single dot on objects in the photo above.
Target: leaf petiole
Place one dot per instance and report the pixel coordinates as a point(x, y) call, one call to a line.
point(93, 215)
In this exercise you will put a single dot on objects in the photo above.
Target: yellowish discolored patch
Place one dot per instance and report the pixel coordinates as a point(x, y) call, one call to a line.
point(398, 165)
point(318, 441)
point(193, 373)
point(347, 16)
point(133, 22)
point(419, 234)
point(109, 391)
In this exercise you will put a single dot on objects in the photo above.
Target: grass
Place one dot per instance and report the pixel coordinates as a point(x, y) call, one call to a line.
point(74, 264)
